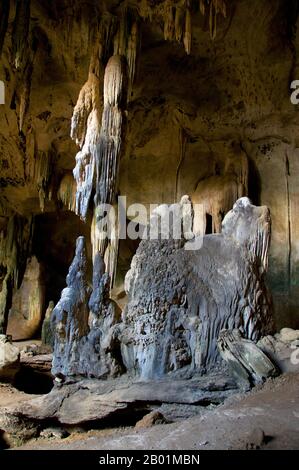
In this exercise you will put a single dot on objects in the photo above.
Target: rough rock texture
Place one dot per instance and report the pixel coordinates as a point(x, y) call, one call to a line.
point(26, 313)
point(282, 349)
point(90, 401)
point(249, 365)
point(9, 359)
point(47, 336)
point(151, 419)
point(180, 300)
point(83, 320)
point(225, 103)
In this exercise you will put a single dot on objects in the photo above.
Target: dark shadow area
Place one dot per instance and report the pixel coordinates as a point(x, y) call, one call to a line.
point(32, 382)
point(209, 224)
point(3, 441)
point(54, 244)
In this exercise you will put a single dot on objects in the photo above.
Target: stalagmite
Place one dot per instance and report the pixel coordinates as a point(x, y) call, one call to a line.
point(85, 323)
point(180, 300)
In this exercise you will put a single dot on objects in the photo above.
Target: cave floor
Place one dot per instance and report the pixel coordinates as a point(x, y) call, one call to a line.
point(272, 408)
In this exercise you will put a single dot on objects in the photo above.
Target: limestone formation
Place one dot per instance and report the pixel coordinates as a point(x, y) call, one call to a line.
point(180, 300)
point(84, 323)
point(249, 365)
point(47, 330)
point(9, 359)
point(26, 313)
point(193, 118)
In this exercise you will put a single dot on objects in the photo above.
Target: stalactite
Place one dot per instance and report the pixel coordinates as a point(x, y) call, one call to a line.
point(86, 158)
point(179, 23)
point(25, 93)
point(132, 50)
point(169, 22)
point(188, 32)
point(121, 37)
point(111, 130)
point(215, 7)
point(67, 192)
point(4, 14)
point(42, 174)
point(21, 33)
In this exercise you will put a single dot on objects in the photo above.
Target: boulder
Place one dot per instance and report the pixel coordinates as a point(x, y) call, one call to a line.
point(248, 363)
point(282, 349)
point(180, 297)
point(151, 419)
point(9, 359)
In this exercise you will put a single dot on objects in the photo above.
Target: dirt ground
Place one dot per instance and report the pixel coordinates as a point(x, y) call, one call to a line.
point(272, 410)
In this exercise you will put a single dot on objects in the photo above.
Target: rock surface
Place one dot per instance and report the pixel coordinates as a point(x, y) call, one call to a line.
point(47, 336)
point(93, 401)
point(249, 365)
point(9, 359)
point(226, 105)
point(151, 419)
point(180, 300)
point(272, 409)
point(85, 342)
point(282, 349)
point(25, 317)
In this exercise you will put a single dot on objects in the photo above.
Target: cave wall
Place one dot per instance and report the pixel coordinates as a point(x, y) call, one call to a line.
point(217, 123)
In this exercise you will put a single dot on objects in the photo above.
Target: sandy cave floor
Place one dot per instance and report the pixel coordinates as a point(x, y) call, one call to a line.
point(273, 408)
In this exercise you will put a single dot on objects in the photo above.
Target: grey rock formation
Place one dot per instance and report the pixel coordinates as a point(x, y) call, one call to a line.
point(47, 330)
point(180, 300)
point(87, 401)
point(249, 365)
point(83, 321)
point(9, 359)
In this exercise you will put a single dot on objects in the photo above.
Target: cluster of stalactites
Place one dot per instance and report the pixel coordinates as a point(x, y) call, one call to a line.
point(177, 24)
point(22, 52)
point(126, 43)
point(177, 17)
point(214, 7)
point(67, 192)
